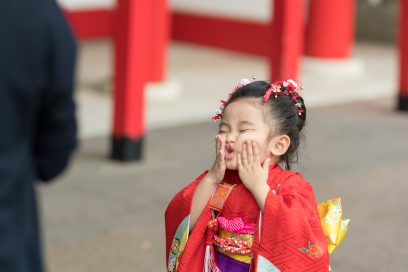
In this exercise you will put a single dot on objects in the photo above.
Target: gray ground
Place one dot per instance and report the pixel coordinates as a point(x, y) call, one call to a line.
point(104, 216)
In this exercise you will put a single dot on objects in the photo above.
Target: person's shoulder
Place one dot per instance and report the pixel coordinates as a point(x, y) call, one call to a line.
point(294, 181)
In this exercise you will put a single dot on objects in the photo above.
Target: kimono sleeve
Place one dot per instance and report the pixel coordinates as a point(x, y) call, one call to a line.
point(292, 238)
point(177, 221)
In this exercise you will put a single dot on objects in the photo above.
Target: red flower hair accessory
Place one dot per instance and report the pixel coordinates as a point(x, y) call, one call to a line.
point(287, 87)
point(220, 110)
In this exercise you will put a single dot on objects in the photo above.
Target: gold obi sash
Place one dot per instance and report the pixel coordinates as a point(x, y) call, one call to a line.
point(235, 245)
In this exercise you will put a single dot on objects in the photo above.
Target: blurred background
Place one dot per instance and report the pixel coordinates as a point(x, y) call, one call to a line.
point(149, 78)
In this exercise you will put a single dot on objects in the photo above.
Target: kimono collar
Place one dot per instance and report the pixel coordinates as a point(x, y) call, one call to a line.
point(232, 176)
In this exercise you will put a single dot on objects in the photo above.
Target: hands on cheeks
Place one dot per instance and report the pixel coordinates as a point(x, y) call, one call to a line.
point(252, 173)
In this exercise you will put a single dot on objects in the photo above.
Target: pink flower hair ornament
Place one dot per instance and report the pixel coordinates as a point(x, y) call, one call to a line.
point(287, 87)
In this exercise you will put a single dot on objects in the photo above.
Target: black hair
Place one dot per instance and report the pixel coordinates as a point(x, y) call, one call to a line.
point(284, 109)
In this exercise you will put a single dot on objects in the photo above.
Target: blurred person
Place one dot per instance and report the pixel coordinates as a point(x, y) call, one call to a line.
point(247, 213)
point(37, 118)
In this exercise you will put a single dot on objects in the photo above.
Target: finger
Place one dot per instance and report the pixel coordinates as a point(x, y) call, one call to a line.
point(222, 143)
point(249, 151)
point(239, 162)
point(256, 152)
point(244, 155)
point(266, 164)
point(220, 147)
point(222, 150)
point(216, 148)
point(217, 143)
point(221, 158)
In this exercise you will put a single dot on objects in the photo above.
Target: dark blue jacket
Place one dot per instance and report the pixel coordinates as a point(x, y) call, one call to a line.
point(37, 120)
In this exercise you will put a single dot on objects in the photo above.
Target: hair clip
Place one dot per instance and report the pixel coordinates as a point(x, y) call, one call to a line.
point(268, 94)
point(288, 88)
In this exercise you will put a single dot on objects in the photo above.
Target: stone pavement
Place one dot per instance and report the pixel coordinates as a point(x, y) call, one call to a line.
point(104, 216)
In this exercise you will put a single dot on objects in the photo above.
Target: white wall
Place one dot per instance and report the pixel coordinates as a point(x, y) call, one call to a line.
point(254, 10)
point(86, 4)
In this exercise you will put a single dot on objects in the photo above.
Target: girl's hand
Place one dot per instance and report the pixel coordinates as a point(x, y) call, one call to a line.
point(252, 173)
point(207, 185)
point(217, 171)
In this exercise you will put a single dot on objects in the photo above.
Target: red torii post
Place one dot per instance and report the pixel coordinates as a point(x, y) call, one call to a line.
point(135, 39)
point(330, 29)
point(140, 38)
point(287, 35)
point(403, 57)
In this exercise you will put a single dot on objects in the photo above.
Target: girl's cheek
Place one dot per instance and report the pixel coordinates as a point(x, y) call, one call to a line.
point(223, 136)
point(240, 141)
point(244, 138)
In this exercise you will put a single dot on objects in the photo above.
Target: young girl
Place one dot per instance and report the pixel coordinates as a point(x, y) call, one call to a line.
point(246, 213)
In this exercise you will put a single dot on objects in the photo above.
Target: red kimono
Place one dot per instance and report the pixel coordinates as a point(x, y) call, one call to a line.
point(289, 236)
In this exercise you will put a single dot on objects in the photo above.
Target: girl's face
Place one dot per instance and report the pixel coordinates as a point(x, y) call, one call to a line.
point(243, 120)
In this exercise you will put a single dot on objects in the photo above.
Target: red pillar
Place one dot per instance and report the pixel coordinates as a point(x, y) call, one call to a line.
point(286, 39)
point(403, 57)
point(330, 29)
point(160, 24)
point(138, 53)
